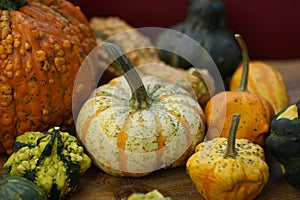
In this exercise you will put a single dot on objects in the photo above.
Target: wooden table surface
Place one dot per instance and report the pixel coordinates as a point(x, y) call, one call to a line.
point(96, 185)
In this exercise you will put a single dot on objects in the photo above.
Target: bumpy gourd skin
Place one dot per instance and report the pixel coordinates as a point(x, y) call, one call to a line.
point(42, 46)
point(216, 177)
point(54, 162)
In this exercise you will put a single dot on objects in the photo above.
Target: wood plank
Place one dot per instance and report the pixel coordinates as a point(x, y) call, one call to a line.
point(175, 183)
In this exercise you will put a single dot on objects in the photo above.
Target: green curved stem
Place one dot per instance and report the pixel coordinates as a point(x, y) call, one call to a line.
point(245, 59)
point(231, 152)
point(140, 98)
point(48, 148)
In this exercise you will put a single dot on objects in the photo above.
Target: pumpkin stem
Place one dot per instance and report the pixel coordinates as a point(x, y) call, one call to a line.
point(12, 4)
point(140, 98)
point(230, 152)
point(31, 175)
point(245, 59)
point(48, 148)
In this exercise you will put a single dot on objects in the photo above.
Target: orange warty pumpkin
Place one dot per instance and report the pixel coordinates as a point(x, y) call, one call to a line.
point(42, 45)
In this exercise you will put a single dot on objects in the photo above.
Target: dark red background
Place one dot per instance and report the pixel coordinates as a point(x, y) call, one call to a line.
point(270, 28)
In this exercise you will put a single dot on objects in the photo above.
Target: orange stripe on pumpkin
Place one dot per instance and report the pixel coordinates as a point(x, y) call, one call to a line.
point(161, 140)
point(208, 181)
point(121, 142)
point(86, 125)
point(122, 138)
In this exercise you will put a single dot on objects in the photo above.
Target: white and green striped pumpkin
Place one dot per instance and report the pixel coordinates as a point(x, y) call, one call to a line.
point(133, 126)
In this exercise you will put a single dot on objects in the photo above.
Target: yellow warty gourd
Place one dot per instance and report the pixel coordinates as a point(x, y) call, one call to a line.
point(230, 168)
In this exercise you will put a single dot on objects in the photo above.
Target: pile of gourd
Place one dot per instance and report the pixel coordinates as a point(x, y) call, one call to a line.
point(136, 121)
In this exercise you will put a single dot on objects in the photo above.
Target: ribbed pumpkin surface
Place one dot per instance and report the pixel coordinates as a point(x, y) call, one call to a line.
point(42, 45)
point(123, 140)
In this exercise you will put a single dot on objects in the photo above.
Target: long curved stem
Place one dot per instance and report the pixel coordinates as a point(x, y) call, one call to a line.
point(140, 98)
point(245, 59)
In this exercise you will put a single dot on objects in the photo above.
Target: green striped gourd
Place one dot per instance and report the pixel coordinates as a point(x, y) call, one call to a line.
point(15, 187)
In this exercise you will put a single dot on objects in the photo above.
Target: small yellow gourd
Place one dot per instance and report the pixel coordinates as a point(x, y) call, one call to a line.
point(228, 168)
